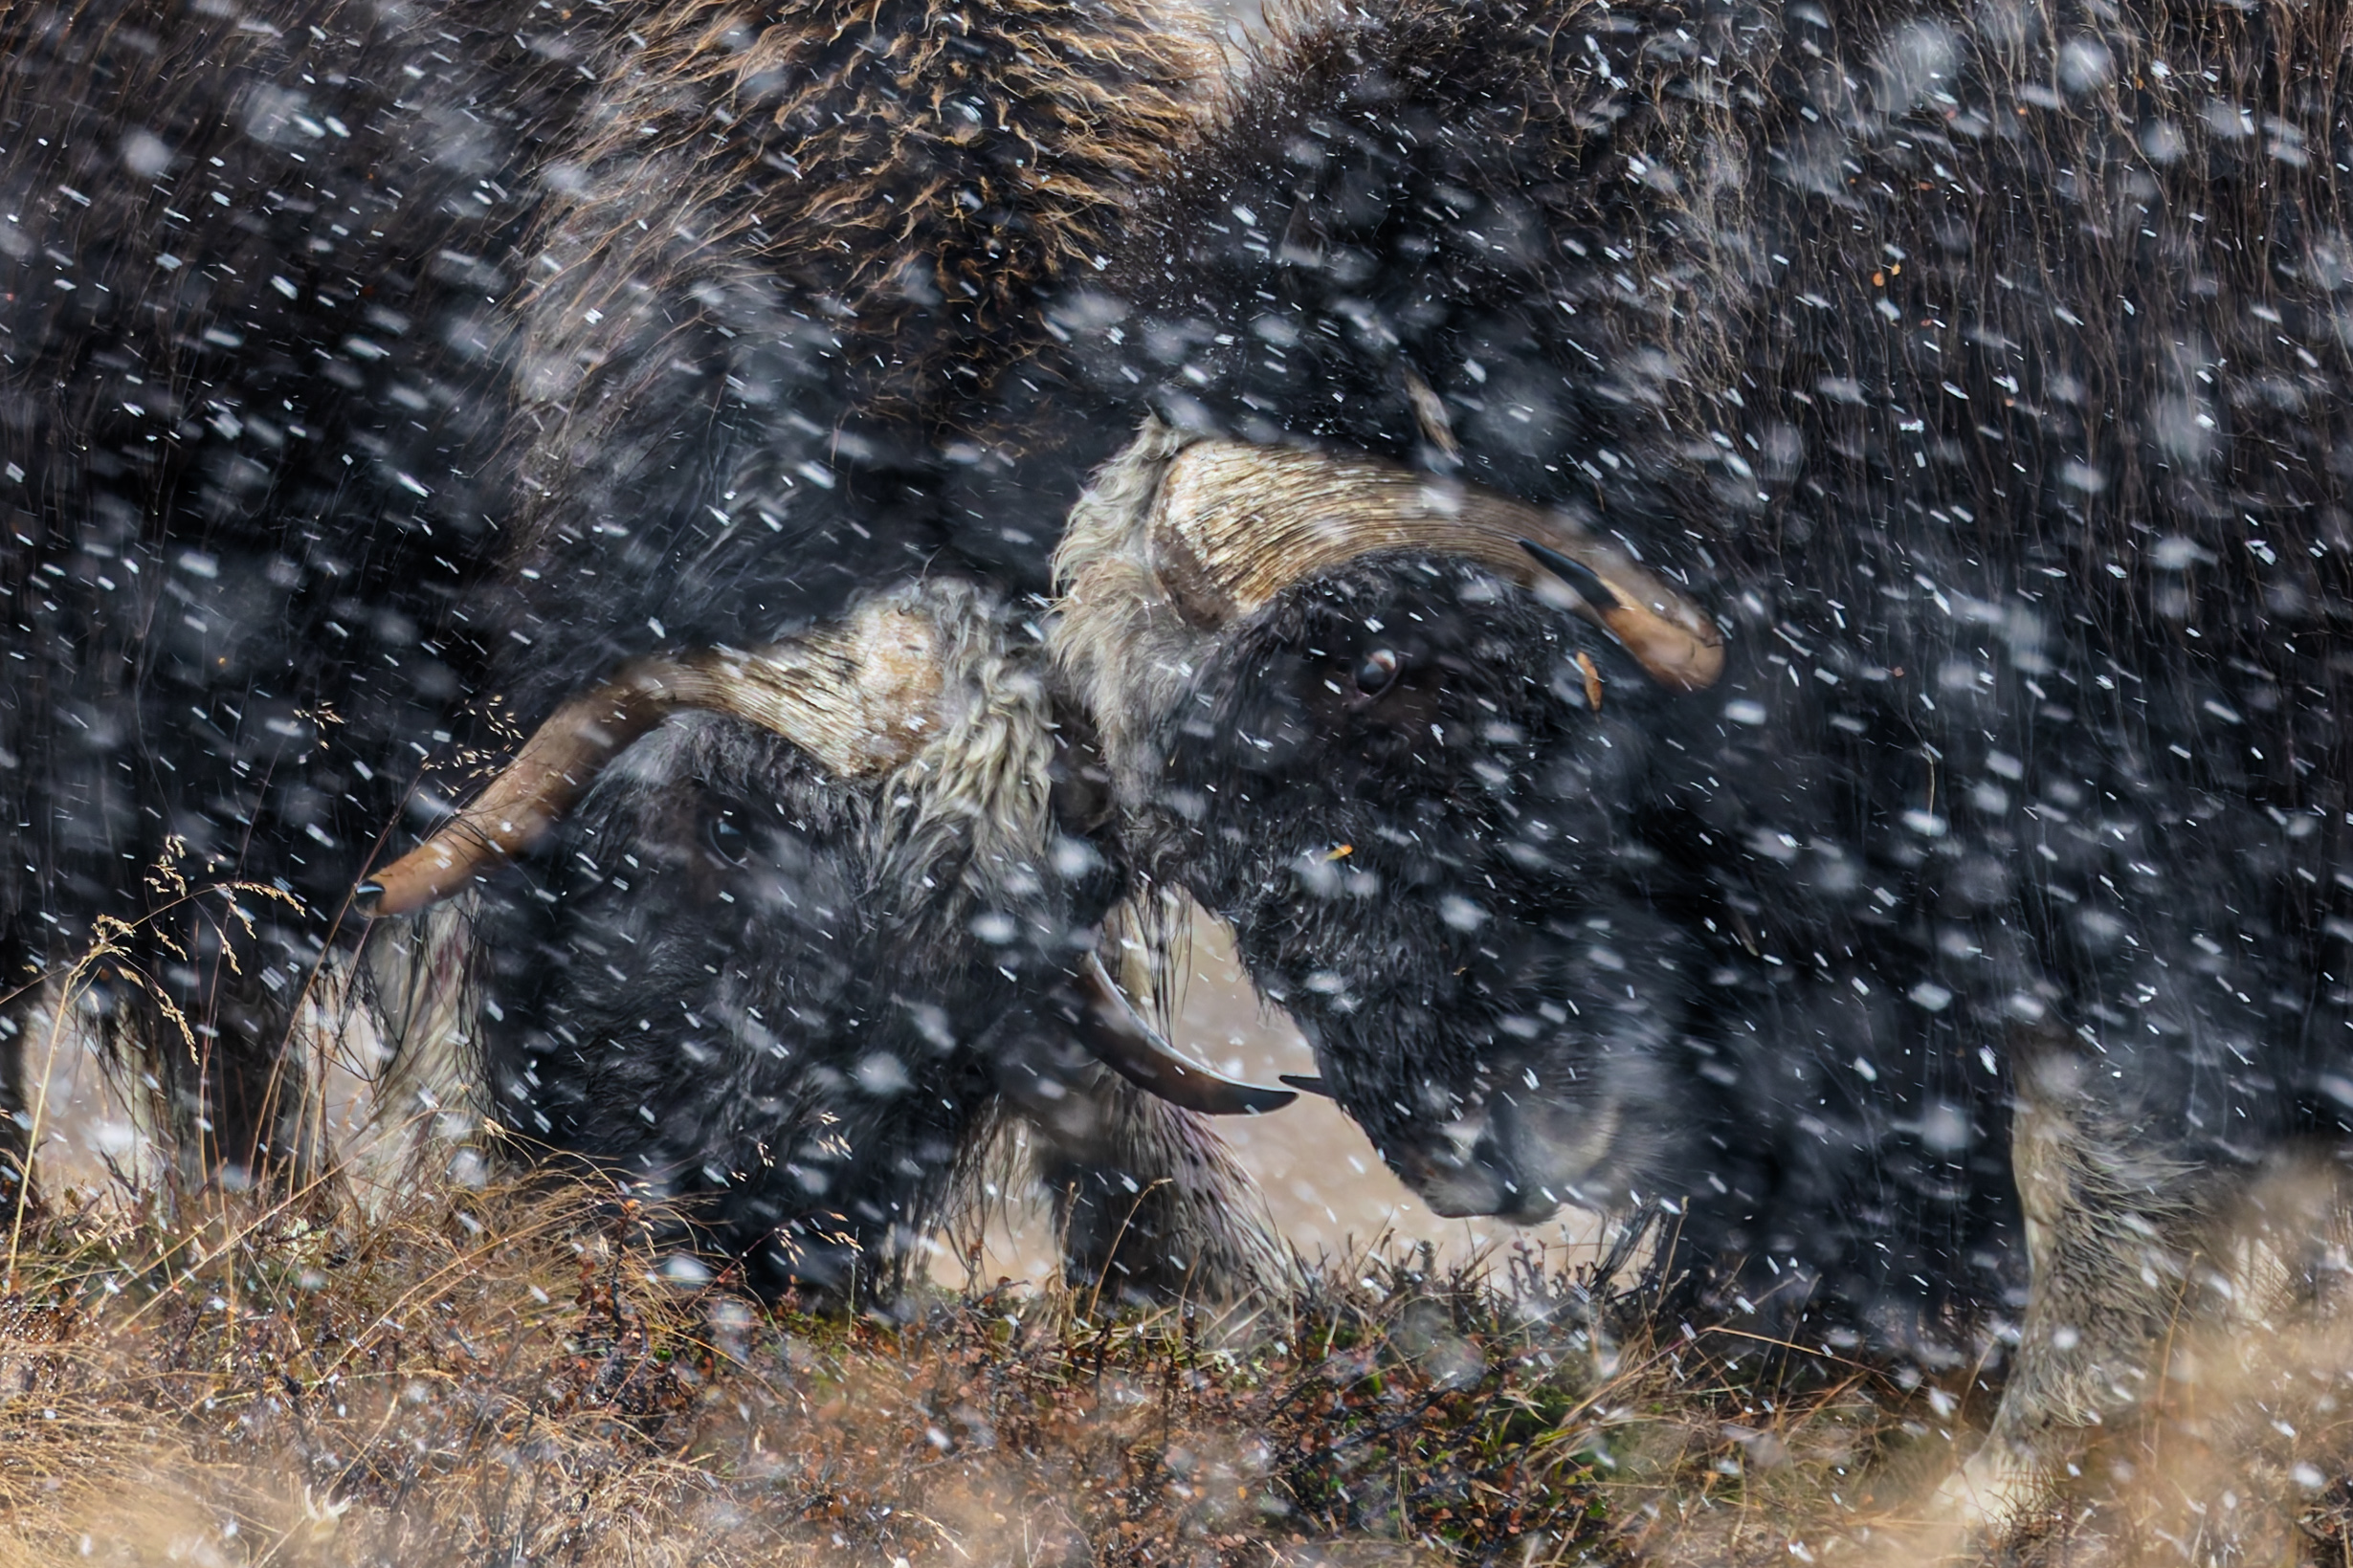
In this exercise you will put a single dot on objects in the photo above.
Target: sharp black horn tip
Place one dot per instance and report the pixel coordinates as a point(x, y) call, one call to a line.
point(1575, 573)
point(1306, 1083)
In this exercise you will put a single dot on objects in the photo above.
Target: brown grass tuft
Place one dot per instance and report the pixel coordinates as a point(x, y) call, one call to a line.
point(520, 1374)
point(517, 1373)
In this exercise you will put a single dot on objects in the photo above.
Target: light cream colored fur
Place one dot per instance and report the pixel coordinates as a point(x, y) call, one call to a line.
point(1119, 643)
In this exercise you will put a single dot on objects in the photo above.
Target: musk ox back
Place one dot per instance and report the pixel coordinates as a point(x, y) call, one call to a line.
point(1744, 610)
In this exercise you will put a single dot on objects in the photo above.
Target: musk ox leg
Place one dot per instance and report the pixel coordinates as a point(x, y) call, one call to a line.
point(2111, 1232)
point(20, 1034)
point(1148, 1200)
point(211, 1041)
point(420, 997)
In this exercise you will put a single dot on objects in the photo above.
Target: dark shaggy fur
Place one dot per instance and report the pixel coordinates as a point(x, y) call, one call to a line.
point(1984, 374)
point(249, 404)
point(789, 385)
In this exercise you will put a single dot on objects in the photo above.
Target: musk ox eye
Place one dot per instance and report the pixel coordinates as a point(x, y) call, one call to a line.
point(1377, 673)
point(728, 840)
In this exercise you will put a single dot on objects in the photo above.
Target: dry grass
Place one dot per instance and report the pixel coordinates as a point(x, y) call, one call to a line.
point(517, 1373)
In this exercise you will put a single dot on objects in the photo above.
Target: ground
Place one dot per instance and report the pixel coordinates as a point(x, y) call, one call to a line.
point(455, 1374)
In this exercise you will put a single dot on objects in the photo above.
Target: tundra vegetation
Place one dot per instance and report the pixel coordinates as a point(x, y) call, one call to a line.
point(467, 1374)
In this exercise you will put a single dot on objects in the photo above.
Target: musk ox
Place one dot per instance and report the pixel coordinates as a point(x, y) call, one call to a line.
point(792, 987)
point(1744, 608)
point(249, 342)
point(1741, 609)
point(852, 866)
point(788, 977)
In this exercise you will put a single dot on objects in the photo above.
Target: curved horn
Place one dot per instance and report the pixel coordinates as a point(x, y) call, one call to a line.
point(1123, 1042)
point(1234, 524)
point(861, 698)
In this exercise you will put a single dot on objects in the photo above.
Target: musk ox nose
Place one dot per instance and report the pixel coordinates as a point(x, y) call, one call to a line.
point(1463, 1169)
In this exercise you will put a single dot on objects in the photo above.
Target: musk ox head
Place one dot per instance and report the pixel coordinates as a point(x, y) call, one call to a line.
point(683, 977)
point(1391, 729)
point(795, 922)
